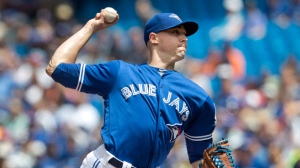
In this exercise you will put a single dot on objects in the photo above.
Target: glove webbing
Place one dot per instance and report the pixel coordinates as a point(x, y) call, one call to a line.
point(221, 147)
point(216, 158)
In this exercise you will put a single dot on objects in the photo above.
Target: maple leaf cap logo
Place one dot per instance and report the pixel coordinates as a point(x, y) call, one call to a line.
point(175, 16)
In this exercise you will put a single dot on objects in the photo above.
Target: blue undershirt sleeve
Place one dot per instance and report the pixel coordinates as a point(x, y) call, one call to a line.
point(198, 134)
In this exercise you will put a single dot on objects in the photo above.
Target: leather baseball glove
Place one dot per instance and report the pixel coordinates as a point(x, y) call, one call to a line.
point(218, 155)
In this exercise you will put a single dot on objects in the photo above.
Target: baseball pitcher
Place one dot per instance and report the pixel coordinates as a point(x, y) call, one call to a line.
point(147, 106)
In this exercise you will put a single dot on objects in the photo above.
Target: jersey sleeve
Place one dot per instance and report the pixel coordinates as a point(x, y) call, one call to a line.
point(198, 134)
point(88, 78)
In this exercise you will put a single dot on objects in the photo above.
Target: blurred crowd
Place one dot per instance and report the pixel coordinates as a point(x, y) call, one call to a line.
point(44, 125)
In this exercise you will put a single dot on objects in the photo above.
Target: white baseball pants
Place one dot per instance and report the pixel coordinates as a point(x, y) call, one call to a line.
point(99, 159)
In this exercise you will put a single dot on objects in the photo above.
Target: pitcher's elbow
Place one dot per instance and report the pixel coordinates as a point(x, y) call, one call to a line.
point(50, 68)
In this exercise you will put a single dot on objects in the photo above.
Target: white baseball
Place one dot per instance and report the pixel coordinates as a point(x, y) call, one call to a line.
point(110, 14)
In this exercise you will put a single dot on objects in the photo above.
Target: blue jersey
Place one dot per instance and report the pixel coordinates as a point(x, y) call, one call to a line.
point(146, 109)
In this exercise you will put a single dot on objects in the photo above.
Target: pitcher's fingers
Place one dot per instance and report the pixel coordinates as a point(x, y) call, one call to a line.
point(97, 17)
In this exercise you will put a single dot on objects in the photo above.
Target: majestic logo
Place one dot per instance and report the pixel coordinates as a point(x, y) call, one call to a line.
point(175, 16)
point(175, 131)
point(215, 114)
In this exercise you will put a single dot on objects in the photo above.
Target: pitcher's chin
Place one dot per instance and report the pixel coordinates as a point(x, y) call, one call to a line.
point(180, 54)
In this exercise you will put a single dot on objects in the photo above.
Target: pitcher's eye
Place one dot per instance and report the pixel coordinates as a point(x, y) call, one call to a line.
point(178, 32)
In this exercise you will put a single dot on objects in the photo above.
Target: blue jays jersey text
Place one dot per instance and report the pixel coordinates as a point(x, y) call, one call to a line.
point(146, 109)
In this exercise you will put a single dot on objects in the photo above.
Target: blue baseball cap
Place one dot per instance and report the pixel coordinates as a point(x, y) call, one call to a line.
point(164, 21)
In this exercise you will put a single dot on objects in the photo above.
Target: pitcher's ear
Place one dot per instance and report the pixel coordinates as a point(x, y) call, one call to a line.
point(153, 38)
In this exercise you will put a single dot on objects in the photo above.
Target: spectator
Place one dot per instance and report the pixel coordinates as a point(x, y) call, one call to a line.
point(255, 21)
point(231, 27)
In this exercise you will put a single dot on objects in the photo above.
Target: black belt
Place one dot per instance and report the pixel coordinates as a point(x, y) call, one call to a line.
point(116, 162)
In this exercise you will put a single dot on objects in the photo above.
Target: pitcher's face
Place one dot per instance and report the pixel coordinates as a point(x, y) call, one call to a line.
point(173, 42)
